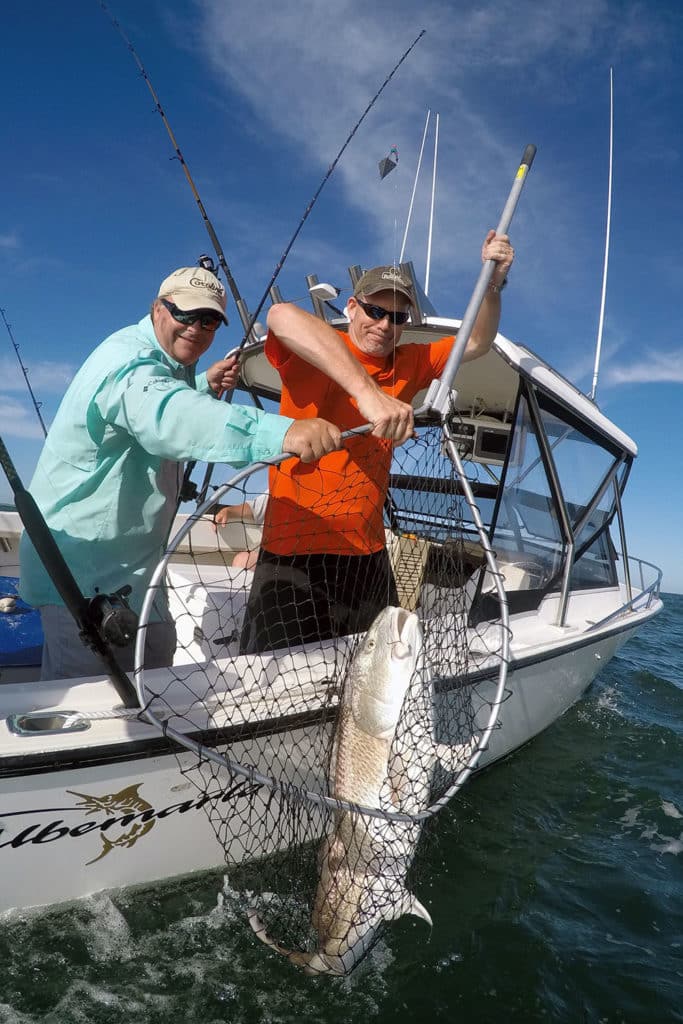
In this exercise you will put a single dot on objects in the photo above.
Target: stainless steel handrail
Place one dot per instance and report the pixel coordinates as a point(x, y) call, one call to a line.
point(649, 592)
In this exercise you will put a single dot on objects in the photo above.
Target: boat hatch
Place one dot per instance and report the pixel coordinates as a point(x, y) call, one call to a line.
point(47, 723)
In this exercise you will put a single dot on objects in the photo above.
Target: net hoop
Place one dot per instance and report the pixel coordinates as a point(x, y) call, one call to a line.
point(146, 694)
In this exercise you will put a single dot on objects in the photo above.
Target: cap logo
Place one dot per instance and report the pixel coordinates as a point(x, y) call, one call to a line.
point(392, 274)
point(211, 286)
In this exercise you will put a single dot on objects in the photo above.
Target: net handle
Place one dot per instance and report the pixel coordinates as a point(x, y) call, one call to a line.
point(438, 398)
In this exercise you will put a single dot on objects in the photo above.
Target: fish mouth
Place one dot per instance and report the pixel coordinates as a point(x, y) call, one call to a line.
point(404, 633)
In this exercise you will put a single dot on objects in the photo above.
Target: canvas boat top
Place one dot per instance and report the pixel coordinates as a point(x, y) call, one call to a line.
point(492, 379)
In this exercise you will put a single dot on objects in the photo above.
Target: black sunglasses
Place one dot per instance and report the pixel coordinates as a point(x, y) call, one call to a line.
point(208, 319)
point(397, 318)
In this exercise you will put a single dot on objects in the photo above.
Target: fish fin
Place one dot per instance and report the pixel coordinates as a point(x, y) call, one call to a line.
point(408, 904)
point(344, 963)
point(418, 910)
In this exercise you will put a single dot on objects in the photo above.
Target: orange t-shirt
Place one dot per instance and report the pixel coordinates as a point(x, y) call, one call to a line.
point(335, 505)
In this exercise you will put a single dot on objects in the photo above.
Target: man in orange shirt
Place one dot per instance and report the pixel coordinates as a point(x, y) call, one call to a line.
point(323, 568)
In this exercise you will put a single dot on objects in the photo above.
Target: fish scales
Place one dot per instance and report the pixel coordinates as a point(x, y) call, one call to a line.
point(361, 762)
point(363, 861)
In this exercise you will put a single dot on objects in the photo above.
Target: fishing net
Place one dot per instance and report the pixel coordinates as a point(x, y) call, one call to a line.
point(332, 706)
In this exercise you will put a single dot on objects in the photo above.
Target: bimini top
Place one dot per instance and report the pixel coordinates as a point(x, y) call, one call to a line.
point(488, 384)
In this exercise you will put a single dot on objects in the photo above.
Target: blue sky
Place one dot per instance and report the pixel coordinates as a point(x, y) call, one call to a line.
point(261, 97)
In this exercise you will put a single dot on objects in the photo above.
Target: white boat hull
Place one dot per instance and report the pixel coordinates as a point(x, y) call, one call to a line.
point(73, 832)
point(77, 822)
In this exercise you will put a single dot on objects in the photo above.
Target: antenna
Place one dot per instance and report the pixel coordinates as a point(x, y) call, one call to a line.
point(412, 198)
point(598, 344)
point(431, 209)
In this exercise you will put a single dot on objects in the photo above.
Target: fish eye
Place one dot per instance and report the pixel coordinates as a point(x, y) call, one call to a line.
point(370, 646)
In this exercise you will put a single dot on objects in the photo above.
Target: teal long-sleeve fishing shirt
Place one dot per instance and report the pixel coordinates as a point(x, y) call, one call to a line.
point(108, 478)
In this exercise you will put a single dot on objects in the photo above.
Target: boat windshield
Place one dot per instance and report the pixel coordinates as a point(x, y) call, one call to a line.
point(553, 499)
point(556, 490)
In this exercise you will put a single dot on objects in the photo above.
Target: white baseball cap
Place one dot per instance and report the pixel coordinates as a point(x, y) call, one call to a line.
point(195, 288)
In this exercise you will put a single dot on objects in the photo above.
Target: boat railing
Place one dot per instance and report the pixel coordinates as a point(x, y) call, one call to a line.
point(641, 599)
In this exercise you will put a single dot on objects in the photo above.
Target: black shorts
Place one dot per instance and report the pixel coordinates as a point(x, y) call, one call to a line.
point(298, 598)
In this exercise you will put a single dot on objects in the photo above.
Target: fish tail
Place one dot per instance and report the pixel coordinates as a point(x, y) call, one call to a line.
point(260, 932)
point(312, 963)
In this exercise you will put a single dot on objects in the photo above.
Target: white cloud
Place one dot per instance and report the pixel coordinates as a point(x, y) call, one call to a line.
point(39, 264)
point(656, 368)
point(308, 70)
point(18, 419)
point(9, 240)
point(579, 366)
point(45, 377)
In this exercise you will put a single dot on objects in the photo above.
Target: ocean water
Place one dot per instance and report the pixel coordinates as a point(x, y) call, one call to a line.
point(555, 881)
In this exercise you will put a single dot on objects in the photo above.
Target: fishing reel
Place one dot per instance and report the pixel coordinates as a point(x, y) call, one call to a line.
point(188, 492)
point(113, 618)
point(207, 263)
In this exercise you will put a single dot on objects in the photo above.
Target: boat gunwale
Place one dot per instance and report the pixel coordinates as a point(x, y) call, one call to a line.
point(46, 761)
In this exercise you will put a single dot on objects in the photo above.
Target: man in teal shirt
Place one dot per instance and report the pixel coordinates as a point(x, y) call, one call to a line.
point(108, 479)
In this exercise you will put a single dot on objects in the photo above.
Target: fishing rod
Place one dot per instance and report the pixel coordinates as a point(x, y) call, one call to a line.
point(188, 489)
point(104, 619)
point(278, 267)
point(247, 321)
point(326, 177)
point(439, 396)
point(24, 370)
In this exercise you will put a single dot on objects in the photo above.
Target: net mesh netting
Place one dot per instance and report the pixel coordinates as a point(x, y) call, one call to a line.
point(334, 702)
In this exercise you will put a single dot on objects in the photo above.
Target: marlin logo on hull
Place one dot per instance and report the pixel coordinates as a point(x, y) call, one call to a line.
point(127, 801)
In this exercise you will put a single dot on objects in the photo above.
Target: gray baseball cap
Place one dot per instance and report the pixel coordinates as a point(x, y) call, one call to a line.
point(382, 279)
